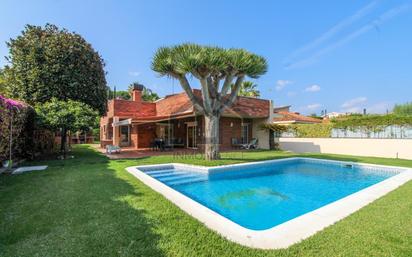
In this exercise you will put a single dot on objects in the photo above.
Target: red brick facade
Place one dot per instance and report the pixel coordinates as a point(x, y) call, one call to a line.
point(143, 120)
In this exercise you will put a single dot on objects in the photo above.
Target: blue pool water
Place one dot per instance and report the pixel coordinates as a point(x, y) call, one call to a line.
point(262, 196)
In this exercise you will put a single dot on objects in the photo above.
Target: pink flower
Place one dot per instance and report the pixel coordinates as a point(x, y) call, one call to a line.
point(10, 103)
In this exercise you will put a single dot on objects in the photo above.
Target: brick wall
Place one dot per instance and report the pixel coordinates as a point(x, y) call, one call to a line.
point(125, 108)
point(146, 134)
point(142, 135)
point(134, 140)
point(227, 132)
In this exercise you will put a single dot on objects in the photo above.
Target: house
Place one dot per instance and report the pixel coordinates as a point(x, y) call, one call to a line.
point(332, 115)
point(136, 124)
point(283, 115)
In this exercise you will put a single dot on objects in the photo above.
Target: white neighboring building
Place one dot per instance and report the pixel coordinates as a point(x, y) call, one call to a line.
point(332, 115)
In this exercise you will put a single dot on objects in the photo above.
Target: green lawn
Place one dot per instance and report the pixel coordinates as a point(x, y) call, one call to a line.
point(90, 206)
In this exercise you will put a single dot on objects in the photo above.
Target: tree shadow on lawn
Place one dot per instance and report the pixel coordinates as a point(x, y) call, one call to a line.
point(78, 207)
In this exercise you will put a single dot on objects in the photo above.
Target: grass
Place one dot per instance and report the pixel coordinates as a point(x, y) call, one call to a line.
point(90, 206)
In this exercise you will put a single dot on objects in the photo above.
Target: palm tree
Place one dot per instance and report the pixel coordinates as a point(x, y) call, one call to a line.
point(249, 89)
point(215, 68)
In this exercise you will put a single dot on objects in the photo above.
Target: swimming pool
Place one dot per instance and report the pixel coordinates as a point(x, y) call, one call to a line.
point(253, 200)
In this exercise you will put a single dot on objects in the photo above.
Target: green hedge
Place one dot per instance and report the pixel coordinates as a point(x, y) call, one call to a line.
point(311, 130)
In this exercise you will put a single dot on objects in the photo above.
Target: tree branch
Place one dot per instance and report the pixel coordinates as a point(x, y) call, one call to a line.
point(233, 94)
point(207, 103)
point(213, 83)
point(186, 87)
point(226, 84)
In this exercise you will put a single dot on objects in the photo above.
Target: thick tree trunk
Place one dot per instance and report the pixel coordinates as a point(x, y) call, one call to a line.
point(63, 142)
point(212, 137)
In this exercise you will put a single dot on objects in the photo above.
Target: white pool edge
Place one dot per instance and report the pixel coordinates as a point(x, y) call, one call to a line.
point(287, 233)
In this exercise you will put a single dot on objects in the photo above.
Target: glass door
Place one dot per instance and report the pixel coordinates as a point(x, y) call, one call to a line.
point(124, 135)
point(165, 132)
point(245, 133)
point(191, 136)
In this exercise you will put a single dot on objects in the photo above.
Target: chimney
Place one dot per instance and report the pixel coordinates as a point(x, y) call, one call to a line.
point(137, 92)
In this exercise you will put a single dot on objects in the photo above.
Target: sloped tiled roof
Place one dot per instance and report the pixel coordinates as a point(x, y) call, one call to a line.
point(174, 105)
point(180, 105)
point(293, 117)
point(249, 107)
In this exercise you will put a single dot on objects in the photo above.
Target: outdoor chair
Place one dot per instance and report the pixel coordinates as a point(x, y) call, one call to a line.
point(235, 143)
point(112, 149)
point(253, 144)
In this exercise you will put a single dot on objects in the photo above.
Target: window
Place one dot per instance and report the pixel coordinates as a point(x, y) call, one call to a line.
point(165, 131)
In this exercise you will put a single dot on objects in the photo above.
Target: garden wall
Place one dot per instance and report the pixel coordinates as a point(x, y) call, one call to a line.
point(389, 148)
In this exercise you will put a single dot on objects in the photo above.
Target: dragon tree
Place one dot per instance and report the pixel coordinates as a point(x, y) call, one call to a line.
point(220, 73)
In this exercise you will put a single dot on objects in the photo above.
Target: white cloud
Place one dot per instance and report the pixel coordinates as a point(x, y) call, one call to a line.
point(354, 102)
point(312, 107)
point(335, 29)
point(281, 84)
point(374, 24)
point(313, 88)
point(134, 73)
point(354, 105)
point(381, 107)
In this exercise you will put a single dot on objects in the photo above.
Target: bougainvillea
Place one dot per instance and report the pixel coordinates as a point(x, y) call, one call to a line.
point(21, 116)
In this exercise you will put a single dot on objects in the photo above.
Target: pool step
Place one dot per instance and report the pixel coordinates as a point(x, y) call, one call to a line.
point(168, 174)
point(187, 181)
point(155, 172)
point(179, 177)
point(173, 177)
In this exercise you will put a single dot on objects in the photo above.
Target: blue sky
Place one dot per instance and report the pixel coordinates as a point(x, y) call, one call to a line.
point(339, 56)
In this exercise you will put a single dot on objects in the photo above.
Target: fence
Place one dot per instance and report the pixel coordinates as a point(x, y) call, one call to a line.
point(388, 148)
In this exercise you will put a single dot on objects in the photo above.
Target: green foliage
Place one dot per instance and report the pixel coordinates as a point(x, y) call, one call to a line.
point(403, 109)
point(122, 94)
point(311, 130)
point(366, 123)
point(147, 94)
point(49, 62)
point(96, 134)
point(203, 60)
point(372, 122)
point(22, 119)
point(278, 129)
point(215, 68)
point(248, 88)
point(2, 83)
point(71, 115)
point(96, 204)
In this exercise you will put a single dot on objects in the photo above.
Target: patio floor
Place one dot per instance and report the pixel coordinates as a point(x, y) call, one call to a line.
point(131, 152)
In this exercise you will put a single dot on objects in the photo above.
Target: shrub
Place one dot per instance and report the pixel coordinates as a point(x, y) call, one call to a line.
point(311, 130)
point(21, 117)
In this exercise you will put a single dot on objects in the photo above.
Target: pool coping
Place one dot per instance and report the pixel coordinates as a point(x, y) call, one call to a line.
point(284, 234)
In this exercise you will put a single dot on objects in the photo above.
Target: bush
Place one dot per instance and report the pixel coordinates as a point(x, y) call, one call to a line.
point(96, 134)
point(21, 116)
point(26, 140)
point(311, 130)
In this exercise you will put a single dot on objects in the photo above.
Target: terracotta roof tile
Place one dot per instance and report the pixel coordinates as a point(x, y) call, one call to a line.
point(179, 104)
point(294, 118)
